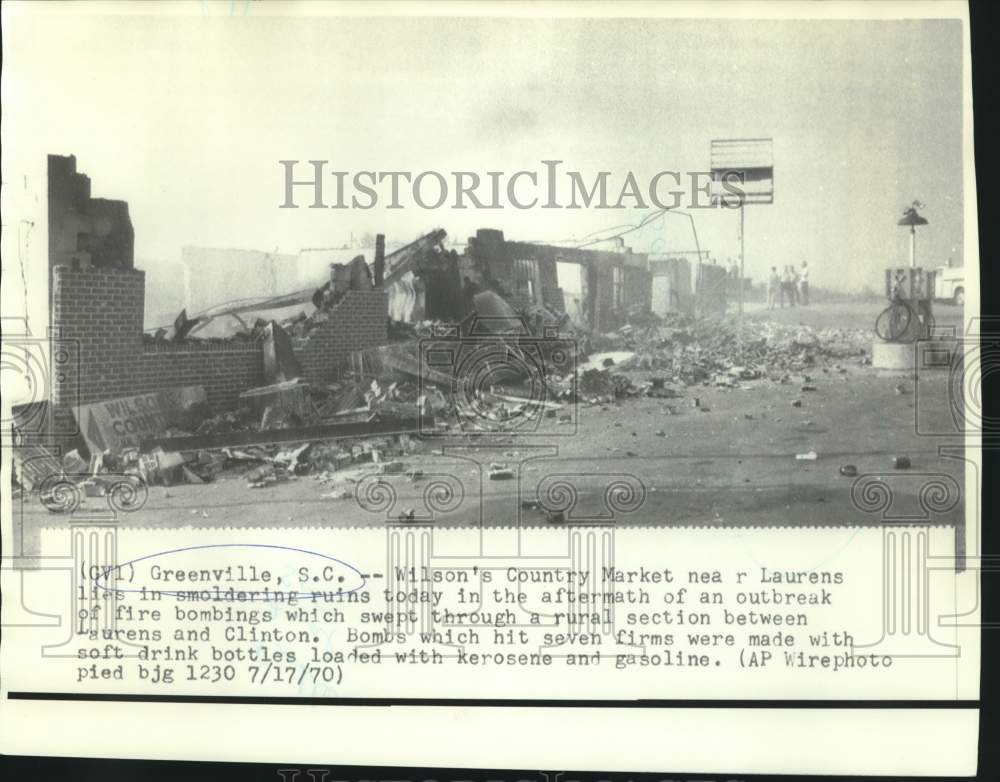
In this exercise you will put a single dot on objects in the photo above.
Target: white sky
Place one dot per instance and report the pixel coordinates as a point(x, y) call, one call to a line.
point(185, 117)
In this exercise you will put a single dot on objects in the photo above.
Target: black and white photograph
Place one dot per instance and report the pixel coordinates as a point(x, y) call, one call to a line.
point(503, 355)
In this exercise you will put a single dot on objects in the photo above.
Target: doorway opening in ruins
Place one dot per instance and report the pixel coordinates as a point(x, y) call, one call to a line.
point(573, 279)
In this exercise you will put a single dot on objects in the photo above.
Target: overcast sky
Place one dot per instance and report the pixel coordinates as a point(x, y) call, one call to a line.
point(186, 118)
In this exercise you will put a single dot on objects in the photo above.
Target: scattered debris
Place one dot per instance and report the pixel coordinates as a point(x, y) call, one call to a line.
point(183, 326)
point(190, 475)
point(386, 399)
point(72, 462)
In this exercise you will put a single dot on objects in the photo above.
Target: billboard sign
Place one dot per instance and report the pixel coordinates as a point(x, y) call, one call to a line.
point(742, 166)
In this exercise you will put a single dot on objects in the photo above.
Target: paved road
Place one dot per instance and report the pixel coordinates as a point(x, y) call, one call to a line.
point(732, 465)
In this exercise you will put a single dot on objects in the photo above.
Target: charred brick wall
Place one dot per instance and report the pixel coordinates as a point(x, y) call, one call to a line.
point(672, 291)
point(495, 258)
point(637, 289)
point(101, 311)
point(85, 231)
point(710, 290)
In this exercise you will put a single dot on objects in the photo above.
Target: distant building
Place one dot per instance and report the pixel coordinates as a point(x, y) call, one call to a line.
point(597, 289)
point(671, 286)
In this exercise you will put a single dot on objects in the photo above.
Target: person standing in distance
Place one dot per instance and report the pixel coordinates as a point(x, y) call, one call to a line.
point(773, 287)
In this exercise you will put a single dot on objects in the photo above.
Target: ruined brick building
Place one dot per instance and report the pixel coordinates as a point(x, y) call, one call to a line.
point(599, 290)
point(97, 300)
point(97, 303)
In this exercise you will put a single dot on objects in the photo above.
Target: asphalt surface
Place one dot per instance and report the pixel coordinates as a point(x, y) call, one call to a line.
point(730, 461)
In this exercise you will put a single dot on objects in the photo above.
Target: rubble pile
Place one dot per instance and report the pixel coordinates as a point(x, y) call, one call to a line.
point(538, 364)
point(688, 352)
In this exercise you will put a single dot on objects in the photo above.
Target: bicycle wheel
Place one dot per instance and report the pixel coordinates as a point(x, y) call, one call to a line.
point(893, 322)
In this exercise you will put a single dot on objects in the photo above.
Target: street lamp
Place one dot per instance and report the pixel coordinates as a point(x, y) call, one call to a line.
point(912, 219)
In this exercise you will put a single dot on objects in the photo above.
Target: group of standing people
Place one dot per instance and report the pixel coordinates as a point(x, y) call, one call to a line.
point(792, 284)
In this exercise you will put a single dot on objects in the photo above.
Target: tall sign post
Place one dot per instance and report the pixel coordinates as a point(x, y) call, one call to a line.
point(742, 173)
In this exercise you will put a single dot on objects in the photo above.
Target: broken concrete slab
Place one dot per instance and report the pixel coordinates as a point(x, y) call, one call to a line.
point(319, 432)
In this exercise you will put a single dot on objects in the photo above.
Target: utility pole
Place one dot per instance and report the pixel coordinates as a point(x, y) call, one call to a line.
point(739, 282)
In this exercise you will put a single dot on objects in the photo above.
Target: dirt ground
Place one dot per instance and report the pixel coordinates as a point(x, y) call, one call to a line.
point(730, 461)
point(845, 312)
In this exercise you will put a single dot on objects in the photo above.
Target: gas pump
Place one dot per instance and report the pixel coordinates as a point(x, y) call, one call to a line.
point(909, 316)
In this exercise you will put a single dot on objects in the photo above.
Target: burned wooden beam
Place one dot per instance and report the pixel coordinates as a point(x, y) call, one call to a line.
point(379, 260)
point(183, 325)
point(401, 260)
point(301, 434)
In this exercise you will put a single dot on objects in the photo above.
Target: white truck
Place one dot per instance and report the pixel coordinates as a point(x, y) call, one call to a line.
point(949, 284)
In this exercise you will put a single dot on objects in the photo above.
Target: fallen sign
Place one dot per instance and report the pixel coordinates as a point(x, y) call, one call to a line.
point(299, 434)
point(114, 424)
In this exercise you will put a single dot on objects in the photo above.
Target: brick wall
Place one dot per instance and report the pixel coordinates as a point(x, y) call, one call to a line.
point(101, 310)
point(637, 289)
point(494, 258)
point(359, 321)
point(224, 370)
